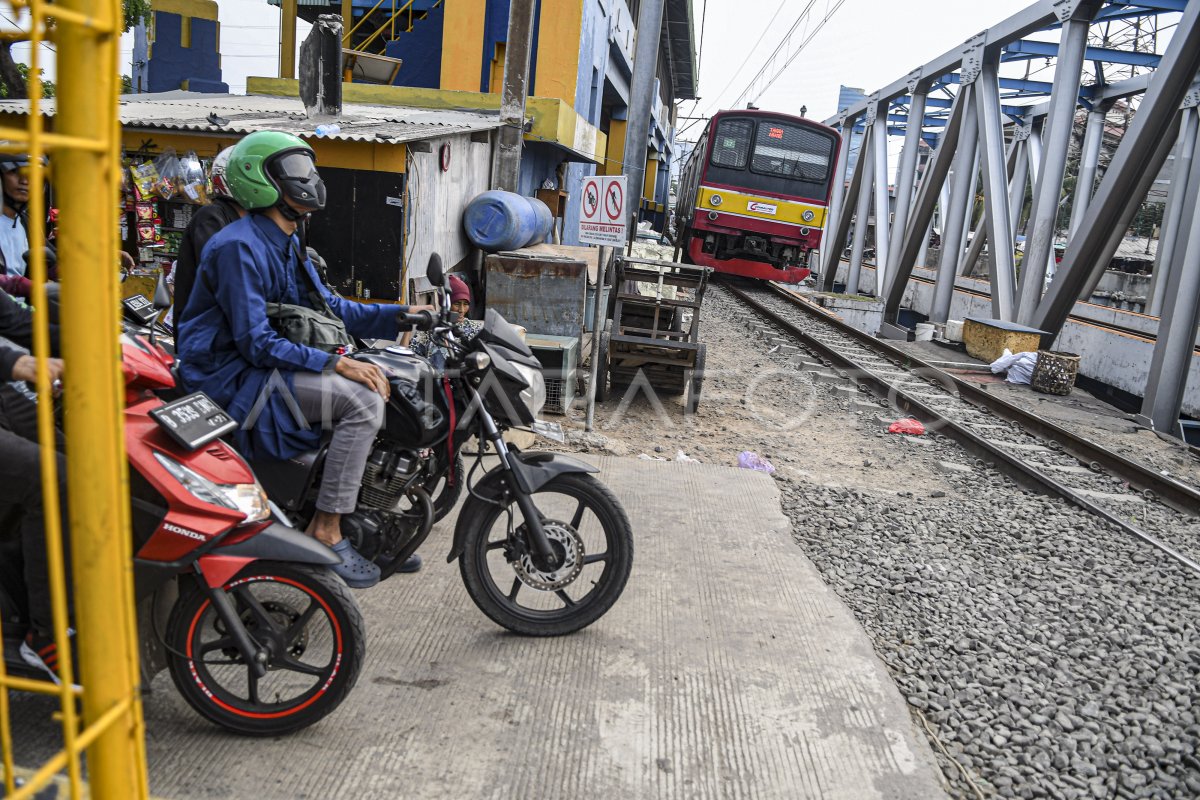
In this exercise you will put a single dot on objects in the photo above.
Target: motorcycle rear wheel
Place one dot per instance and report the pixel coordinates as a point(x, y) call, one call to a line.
point(586, 521)
point(308, 621)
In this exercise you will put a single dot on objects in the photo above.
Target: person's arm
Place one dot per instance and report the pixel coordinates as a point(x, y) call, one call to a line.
point(15, 285)
point(16, 323)
point(241, 295)
point(364, 320)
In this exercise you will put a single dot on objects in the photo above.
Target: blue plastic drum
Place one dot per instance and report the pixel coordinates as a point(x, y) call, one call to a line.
point(498, 220)
point(545, 222)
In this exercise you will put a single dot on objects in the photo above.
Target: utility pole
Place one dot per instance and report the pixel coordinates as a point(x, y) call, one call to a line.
point(512, 94)
point(641, 101)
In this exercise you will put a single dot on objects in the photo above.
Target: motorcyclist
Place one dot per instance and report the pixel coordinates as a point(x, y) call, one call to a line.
point(14, 239)
point(203, 225)
point(21, 506)
point(273, 386)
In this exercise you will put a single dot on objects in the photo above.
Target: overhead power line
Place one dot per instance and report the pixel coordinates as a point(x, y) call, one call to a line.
point(783, 56)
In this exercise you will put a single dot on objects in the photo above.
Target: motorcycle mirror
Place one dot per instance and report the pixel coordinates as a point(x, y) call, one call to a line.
point(162, 295)
point(434, 272)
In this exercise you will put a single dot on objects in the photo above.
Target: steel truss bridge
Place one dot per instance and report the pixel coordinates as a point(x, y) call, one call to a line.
point(1014, 134)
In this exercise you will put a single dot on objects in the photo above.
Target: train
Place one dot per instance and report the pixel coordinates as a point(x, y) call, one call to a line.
point(753, 195)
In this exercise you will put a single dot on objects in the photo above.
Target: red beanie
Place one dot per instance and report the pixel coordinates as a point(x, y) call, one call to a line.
point(459, 289)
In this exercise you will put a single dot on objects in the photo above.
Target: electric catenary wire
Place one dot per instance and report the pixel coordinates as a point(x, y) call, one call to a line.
point(782, 49)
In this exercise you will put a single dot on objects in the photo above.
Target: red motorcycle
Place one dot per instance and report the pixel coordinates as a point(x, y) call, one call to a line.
point(259, 636)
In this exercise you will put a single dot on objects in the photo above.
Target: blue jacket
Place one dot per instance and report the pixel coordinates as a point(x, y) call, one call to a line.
point(230, 352)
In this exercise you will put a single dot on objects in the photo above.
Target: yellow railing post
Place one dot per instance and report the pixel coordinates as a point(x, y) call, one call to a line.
point(98, 496)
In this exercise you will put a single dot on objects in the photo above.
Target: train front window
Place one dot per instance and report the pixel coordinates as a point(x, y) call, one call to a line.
point(731, 144)
point(791, 151)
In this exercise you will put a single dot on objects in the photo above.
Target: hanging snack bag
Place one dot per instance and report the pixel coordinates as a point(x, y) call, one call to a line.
point(145, 179)
point(193, 183)
point(167, 165)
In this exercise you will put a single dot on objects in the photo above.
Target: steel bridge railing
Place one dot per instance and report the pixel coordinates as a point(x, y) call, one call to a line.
point(85, 147)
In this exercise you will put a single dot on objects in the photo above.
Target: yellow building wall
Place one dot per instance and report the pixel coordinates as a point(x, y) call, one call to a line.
point(614, 158)
point(462, 45)
point(651, 181)
point(200, 9)
point(560, 27)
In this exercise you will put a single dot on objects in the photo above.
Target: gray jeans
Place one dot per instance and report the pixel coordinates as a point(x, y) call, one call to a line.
point(355, 413)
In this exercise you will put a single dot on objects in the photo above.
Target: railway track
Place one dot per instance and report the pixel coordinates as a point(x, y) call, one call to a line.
point(1155, 508)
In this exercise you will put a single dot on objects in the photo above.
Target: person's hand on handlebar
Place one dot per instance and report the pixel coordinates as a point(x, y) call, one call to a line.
point(26, 370)
point(368, 375)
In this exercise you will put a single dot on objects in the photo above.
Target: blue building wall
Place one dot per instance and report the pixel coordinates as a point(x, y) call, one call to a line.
point(421, 50)
point(171, 64)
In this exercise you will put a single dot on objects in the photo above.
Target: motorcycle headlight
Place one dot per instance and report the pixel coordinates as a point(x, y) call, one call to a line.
point(247, 498)
point(534, 397)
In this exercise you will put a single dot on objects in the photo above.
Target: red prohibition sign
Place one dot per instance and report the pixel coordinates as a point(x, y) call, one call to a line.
point(591, 203)
point(614, 200)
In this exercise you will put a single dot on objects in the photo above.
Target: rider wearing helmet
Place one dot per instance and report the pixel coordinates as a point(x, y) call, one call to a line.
point(203, 226)
point(282, 392)
point(14, 240)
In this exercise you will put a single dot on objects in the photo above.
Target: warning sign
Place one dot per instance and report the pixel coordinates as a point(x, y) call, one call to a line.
point(602, 217)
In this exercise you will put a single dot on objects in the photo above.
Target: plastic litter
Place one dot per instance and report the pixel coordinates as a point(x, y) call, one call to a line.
point(332, 129)
point(910, 426)
point(684, 457)
point(749, 460)
point(1019, 366)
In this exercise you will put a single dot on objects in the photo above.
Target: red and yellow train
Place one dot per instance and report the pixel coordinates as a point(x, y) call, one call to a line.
point(754, 193)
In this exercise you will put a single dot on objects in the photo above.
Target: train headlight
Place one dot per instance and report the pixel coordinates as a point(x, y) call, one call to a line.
point(715, 199)
point(808, 215)
point(712, 215)
point(804, 231)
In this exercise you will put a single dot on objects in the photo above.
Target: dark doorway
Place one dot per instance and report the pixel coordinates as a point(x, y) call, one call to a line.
point(360, 234)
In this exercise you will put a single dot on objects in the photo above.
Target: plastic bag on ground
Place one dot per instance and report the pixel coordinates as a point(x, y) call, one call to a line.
point(1018, 365)
point(749, 460)
point(910, 426)
point(684, 457)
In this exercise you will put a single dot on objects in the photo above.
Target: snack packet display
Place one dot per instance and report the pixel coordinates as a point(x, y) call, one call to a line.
point(193, 183)
point(145, 179)
point(169, 175)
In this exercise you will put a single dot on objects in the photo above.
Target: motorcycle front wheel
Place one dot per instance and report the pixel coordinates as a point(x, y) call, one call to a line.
point(305, 618)
point(593, 543)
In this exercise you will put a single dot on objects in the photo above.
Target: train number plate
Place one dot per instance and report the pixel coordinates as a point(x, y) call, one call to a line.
point(762, 208)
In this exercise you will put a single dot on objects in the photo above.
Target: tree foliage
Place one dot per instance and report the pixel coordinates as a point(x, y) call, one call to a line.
point(19, 91)
point(135, 11)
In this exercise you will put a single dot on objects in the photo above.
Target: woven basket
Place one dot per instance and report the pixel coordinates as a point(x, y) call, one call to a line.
point(1055, 372)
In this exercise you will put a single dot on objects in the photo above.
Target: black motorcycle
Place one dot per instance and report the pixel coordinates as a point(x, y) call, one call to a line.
point(544, 548)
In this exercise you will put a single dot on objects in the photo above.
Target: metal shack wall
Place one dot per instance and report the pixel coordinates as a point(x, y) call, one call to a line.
point(437, 198)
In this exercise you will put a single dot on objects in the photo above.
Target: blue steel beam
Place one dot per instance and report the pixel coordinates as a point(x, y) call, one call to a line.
point(1027, 48)
point(1019, 84)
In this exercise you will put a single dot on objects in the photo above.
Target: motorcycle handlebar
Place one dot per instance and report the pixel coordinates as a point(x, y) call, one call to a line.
point(421, 320)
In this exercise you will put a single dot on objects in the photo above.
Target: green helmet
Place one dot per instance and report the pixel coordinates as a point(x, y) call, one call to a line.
point(267, 166)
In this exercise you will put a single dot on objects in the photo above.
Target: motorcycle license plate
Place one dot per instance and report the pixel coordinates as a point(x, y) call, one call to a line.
point(194, 421)
point(551, 430)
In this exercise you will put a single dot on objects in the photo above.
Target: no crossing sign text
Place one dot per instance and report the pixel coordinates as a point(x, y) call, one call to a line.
point(602, 217)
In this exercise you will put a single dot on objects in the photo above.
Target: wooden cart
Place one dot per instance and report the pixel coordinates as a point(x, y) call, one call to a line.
point(648, 334)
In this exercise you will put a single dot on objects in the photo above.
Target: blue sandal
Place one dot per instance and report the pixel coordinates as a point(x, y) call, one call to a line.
point(356, 571)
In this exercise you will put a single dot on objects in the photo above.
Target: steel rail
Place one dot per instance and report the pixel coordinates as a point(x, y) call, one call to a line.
point(1016, 467)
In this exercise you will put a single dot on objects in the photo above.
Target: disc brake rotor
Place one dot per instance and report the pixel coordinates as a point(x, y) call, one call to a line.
point(567, 542)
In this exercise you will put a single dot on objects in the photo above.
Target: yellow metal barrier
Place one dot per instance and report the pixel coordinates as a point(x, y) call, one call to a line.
point(85, 147)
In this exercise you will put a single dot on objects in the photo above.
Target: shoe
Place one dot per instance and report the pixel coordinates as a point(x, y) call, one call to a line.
point(41, 652)
point(356, 571)
point(411, 564)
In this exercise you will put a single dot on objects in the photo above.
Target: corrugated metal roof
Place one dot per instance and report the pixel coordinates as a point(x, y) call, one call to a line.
point(241, 114)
